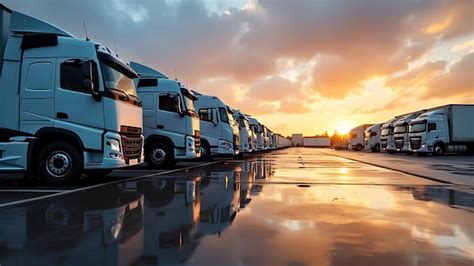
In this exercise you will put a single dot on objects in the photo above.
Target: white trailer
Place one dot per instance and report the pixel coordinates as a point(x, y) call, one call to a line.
point(316, 142)
point(448, 128)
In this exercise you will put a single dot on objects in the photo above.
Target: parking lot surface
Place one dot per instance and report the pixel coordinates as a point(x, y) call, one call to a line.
point(289, 207)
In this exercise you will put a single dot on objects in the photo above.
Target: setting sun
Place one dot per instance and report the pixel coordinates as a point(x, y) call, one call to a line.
point(343, 128)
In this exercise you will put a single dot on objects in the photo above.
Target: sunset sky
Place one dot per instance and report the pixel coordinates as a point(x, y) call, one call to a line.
point(298, 66)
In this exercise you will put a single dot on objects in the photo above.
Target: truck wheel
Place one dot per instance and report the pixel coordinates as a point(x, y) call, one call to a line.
point(377, 148)
point(97, 172)
point(358, 147)
point(438, 149)
point(206, 152)
point(59, 163)
point(159, 155)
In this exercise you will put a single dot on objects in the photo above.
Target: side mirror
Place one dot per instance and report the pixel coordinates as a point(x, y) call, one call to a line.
point(87, 82)
point(177, 102)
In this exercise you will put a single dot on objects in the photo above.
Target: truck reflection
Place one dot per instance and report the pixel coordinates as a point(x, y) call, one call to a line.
point(82, 228)
point(172, 209)
point(448, 196)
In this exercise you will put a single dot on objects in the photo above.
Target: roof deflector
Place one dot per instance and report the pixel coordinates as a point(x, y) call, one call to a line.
point(145, 71)
point(28, 24)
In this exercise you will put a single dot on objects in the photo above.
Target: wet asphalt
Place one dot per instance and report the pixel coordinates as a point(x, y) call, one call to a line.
point(288, 207)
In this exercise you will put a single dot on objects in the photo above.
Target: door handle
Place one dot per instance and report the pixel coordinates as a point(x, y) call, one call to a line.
point(160, 126)
point(61, 115)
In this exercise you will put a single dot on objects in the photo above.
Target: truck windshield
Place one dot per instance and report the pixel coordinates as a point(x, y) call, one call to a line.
point(189, 104)
point(385, 132)
point(223, 115)
point(116, 80)
point(418, 127)
point(400, 129)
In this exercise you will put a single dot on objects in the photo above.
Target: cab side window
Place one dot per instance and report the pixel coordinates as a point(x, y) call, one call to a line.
point(431, 127)
point(205, 114)
point(167, 103)
point(71, 76)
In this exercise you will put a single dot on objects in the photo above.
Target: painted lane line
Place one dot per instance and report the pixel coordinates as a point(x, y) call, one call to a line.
point(18, 202)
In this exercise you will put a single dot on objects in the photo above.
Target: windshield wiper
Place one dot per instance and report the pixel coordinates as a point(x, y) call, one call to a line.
point(127, 96)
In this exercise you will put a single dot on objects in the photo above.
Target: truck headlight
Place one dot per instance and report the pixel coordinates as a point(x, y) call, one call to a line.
point(423, 145)
point(114, 145)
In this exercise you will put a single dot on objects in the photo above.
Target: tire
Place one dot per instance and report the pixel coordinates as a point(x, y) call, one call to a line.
point(97, 172)
point(438, 149)
point(206, 152)
point(377, 148)
point(159, 155)
point(358, 147)
point(59, 163)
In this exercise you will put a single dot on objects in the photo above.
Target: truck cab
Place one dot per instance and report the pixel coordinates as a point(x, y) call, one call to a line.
point(257, 133)
point(266, 138)
point(372, 138)
point(386, 136)
point(245, 132)
point(71, 104)
point(400, 133)
point(219, 130)
point(427, 130)
point(356, 137)
point(170, 121)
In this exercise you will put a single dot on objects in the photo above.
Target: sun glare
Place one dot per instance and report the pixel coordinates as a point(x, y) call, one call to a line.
point(343, 128)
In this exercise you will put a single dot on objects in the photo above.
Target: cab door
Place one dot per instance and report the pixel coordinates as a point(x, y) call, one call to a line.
point(37, 94)
point(169, 120)
point(75, 107)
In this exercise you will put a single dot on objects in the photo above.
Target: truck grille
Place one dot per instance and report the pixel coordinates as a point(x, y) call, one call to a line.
point(399, 142)
point(383, 143)
point(415, 143)
point(131, 145)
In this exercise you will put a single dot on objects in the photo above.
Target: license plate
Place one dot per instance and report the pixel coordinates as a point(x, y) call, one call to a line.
point(133, 161)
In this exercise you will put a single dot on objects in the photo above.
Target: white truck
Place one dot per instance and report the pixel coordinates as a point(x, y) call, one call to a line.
point(245, 132)
point(387, 141)
point(372, 137)
point(447, 128)
point(400, 132)
point(266, 138)
point(258, 133)
point(356, 137)
point(67, 105)
point(170, 122)
point(219, 130)
point(282, 142)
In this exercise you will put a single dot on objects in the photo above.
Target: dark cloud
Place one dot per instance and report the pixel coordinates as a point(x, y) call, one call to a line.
point(351, 41)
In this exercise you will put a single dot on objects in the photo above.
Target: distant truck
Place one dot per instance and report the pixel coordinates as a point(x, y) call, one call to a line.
point(400, 132)
point(447, 128)
point(316, 142)
point(244, 131)
point(356, 137)
point(282, 142)
point(372, 138)
point(387, 141)
point(257, 130)
point(67, 105)
point(170, 122)
point(297, 139)
point(219, 131)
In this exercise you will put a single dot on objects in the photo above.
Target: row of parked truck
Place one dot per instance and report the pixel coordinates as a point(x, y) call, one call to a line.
point(438, 130)
point(69, 106)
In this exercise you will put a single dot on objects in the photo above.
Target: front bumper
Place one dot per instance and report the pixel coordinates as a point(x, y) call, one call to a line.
point(126, 153)
point(192, 149)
